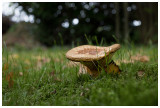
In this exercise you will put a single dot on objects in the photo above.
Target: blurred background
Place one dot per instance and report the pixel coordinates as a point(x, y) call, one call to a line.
point(31, 24)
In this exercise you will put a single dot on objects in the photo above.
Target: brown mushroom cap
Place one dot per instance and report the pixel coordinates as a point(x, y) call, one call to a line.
point(91, 53)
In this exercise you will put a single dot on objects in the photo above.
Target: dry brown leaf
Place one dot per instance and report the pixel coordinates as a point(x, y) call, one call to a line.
point(140, 58)
point(141, 73)
point(144, 59)
point(127, 61)
point(113, 68)
point(118, 62)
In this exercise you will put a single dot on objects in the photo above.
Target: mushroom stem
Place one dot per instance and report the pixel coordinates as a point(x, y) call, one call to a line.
point(93, 72)
point(94, 68)
point(90, 68)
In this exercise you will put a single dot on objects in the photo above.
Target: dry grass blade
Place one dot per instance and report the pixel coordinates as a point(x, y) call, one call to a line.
point(5, 67)
point(9, 78)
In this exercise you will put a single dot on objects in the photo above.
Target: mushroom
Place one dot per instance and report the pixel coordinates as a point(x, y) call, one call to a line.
point(94, 58)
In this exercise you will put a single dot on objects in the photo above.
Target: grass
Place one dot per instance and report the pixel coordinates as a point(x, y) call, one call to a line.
point(42, 77)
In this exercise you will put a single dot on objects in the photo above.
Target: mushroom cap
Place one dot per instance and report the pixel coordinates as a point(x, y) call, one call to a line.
point(91, 53)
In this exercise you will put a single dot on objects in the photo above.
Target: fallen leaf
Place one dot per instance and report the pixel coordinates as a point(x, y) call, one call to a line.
point(137, 57)
point(141, 73)
point(112, 68)
point(127, 61)
point(118, 62)
point(144, 59)
point(140, 58)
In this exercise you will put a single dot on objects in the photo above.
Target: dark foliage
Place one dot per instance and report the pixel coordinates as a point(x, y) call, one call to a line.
point(6, 23)
point(95, 19)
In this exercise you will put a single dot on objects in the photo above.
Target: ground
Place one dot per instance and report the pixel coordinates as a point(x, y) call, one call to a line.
point(46, 77)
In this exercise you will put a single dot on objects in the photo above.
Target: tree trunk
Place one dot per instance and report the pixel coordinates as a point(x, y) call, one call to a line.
point(147, 28)
point(126, 36)
point(117, 21)
point(150, 23)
